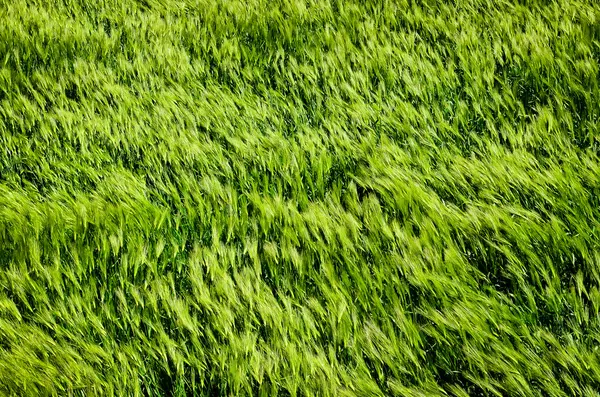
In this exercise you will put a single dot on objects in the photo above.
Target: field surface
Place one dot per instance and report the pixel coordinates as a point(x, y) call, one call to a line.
point(299, 198)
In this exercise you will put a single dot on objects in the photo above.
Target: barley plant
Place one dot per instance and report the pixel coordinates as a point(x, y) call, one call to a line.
point(299, 198)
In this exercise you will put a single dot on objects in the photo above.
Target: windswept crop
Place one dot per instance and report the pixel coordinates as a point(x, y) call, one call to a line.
point(299, 198)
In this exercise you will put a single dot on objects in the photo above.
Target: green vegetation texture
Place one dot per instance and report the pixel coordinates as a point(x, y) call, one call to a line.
point(299, 198)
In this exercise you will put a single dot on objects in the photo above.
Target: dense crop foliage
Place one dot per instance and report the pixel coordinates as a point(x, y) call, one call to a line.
point(299, 197)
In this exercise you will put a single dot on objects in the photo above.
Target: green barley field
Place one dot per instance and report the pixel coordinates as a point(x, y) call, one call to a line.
point(299, 198)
